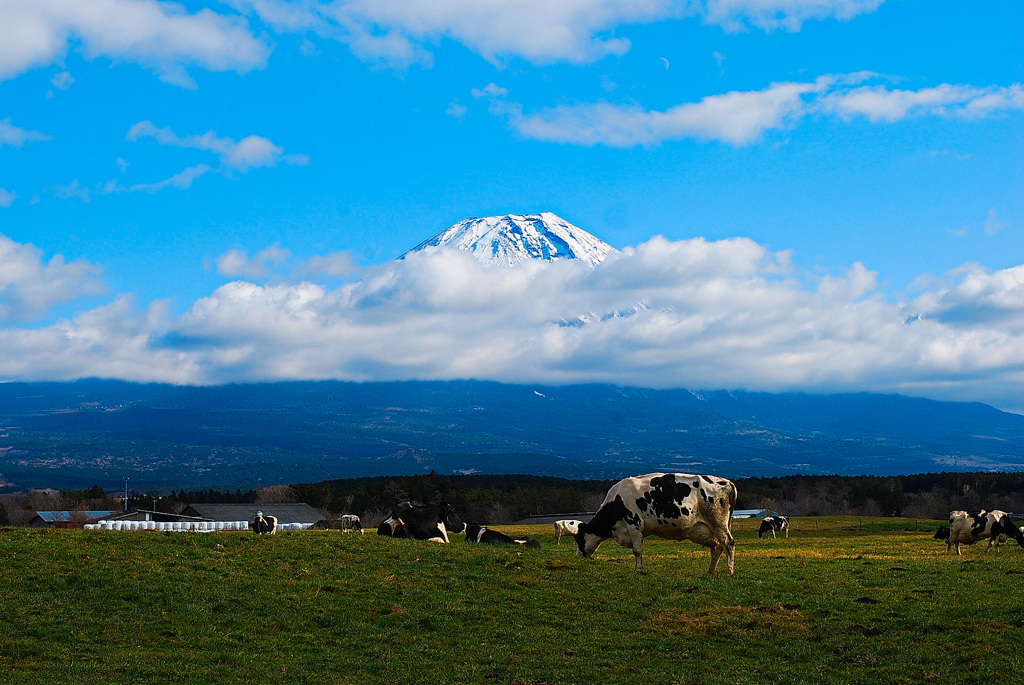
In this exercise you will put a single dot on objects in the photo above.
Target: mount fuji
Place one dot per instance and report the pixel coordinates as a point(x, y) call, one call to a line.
point(513, 238)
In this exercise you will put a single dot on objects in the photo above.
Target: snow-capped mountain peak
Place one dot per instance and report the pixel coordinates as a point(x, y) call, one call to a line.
point(513, 238)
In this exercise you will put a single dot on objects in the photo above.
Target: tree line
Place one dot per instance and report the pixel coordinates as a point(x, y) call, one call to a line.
point(506, 498)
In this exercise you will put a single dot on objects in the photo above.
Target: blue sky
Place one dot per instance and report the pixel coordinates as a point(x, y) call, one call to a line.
point(213, 192)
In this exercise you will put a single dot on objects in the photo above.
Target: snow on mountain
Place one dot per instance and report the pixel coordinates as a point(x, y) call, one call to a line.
point(513, 238)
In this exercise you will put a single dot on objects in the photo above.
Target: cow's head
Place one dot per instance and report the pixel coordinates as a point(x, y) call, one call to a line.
point(450, 519)
point(586, 543)
point(472, 532)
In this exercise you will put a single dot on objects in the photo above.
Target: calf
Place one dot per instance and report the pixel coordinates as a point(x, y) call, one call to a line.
point(677, 506)
point(349, 522)
point(409, 520)
point(264, 525)
point(770, 524)
point(566, 527)
point(968, 528)
point(475, 533)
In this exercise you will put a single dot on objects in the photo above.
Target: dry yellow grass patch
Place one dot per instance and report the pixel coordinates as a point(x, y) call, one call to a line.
point(731, 621)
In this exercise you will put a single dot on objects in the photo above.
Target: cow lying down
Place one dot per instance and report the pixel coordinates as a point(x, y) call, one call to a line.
point(486, 536)
point(419, 522)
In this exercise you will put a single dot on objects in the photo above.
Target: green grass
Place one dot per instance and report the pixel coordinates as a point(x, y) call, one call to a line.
point(844, 600)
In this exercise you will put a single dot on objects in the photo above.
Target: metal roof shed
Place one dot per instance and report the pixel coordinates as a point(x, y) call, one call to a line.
point(285, 513)
point(66, 519)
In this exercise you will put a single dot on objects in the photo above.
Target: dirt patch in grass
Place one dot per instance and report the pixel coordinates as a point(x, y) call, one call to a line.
point(731, 621)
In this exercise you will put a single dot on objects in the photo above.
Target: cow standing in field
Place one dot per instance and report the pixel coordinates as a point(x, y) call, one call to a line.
point(349, 522)
point(968, 528)
point(566, 527)
point(264, 525)
point(770, 524)
point(677, 506)
point(408, 520)
point(486, 536)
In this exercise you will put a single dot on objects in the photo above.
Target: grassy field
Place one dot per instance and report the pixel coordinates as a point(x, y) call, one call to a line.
point(844, 600)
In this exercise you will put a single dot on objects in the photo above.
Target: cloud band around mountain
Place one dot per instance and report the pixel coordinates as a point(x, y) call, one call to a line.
point(689, 313)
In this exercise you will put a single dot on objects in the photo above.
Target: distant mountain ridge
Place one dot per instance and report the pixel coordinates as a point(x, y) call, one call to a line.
point(98, 432)
point(513, 238)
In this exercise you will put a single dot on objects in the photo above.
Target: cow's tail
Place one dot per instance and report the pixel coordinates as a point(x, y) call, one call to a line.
point(733, 494)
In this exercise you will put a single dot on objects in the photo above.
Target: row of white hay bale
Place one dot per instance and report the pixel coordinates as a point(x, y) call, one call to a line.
point(184, 526)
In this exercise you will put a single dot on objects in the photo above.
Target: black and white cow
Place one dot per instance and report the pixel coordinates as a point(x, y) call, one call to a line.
point(409, 520)
point(566, 527)
point(263, 525)
point(770, 524)
point(486, 536)
point(349, 522)
point(677, 506)
point(968, 528)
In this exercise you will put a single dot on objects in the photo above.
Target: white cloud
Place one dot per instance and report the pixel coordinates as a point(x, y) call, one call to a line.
point(335, 265)
point(737, 118)
point(160, 36)
point(993, 224)
point(789, 15)
point(62, 80)
point(16, 137)
point(71, 191)
point(7, 197)
point(109, 342)
point(878, 103)
point(251, 152)
point(691, 313)
point(491, 90)
point(180, 181)
point(456, 110)
point(742, 117)
point(237, 262)
point(401, 33)
point(29, 285)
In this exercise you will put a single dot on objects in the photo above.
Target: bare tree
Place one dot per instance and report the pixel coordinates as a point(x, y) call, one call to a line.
point(275, 494)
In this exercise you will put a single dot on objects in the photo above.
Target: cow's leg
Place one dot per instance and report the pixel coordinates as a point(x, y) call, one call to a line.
point(723, 542)
point(787, 532)
point(637, 544)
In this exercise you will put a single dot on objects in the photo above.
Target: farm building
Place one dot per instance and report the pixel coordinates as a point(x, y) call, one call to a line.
point(751, 513)
point(285, 513)
point(66, 519)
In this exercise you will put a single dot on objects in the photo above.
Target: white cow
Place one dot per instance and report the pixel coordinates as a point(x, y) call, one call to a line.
point(677, 506)
point(566, 527)
point(966, 528)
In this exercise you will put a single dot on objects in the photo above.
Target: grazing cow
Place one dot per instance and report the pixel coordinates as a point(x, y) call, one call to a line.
point(486, 536)
point(349, 522)
point(770, 524)
point(408, 520)
point(566, 527)
point(968, 528)
point(264, 525)
point(677, 506)
point(943, 534)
